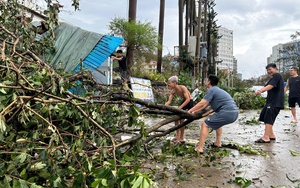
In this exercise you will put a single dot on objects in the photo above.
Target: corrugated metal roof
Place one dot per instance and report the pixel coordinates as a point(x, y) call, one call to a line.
point(102, 50)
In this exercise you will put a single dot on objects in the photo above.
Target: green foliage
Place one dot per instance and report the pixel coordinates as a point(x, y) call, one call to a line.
point(139, 36)
point(252, 121)
point(242, 182)
point(185, 79)
point(153, 76)
point(48, 136)
point(106, 177)
point(186, 59)
point(245, 149)
point(246, 100)
point(294, 153)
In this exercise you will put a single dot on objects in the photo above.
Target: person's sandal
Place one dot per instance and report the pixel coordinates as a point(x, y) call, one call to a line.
point(262, 141)
point(200, 152)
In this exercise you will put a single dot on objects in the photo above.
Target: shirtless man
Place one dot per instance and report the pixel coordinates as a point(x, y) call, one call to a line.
point(186, 104)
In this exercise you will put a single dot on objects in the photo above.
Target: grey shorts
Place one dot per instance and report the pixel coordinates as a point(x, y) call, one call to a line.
point(219, 119)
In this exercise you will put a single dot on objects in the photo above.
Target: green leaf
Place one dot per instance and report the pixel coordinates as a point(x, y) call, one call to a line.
point(294, 153)
point(71, 168)
point(22, 157)
point(96, 183)
point(94, 114)
point(7, 181)
point(38, 166)
point(145, 183)
point(104, 182)
point(23, 173)
point(2, 124)
point(127, 158)
point(138, 182)
point(35, 186)
point(60, 84)
point(2, 90)
point(56, 183)
point(23, 184)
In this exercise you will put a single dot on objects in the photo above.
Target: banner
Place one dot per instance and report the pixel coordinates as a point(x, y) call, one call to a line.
point(142, 89)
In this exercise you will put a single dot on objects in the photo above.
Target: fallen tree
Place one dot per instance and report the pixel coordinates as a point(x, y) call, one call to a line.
point(50, 137)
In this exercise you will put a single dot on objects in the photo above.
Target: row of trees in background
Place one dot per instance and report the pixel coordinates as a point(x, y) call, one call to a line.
point(142, 40)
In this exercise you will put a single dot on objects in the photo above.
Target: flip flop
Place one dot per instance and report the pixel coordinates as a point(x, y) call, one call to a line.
point(272, 138)
point(201, 152)
point(213, 145)
point(261, 141)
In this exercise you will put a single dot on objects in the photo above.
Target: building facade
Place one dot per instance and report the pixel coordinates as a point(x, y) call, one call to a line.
point(225, 50)
point(285, 55)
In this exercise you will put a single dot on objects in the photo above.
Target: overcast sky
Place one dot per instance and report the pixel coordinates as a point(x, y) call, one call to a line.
point(257, 25)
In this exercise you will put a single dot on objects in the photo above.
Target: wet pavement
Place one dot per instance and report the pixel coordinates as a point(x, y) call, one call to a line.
point(279, 168)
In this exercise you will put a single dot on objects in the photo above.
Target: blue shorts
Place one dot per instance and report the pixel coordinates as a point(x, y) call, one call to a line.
point(219, 119)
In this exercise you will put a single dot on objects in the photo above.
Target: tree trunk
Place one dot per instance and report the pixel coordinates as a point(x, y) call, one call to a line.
point(205, 21)
point(130, 48)
point(180, 29)
point(160, 34)
point(205, 61)
point(180, 7)
point(198, 49)
point(187, 12)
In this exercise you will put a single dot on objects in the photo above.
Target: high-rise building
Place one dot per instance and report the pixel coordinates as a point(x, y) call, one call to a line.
point(225, 50)
point(285, 55)
point(276, 57)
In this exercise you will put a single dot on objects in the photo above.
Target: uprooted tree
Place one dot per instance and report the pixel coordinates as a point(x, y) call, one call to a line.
point(50, 137)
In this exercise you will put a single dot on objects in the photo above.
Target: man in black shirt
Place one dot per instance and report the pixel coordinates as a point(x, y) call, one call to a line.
point(293, 84)
point(274, 102)
point(122, 64)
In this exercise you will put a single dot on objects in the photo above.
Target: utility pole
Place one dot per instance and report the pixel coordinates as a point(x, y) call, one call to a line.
point(180, 25)
point(187, 11)
point(131, 18)
point(180, 28)
point(205, 61)
point(198, 49)
point(160, 34)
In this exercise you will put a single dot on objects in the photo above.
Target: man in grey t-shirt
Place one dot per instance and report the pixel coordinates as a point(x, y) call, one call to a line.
point(225, 109)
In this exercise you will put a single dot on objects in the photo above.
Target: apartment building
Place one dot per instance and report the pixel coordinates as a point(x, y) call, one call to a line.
point(285, 55)
point(225, 50)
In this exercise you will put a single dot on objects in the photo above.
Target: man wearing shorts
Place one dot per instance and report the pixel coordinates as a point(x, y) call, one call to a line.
point(186, 104)
point(274, 102)
point(293, 84)
point(225, 111)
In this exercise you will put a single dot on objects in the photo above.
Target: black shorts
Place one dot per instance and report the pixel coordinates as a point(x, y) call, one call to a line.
point(293, 101)
point(189, 105)
point(269, 114)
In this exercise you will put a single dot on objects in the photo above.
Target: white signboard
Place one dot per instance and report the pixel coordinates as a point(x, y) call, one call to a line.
point(142, 89)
